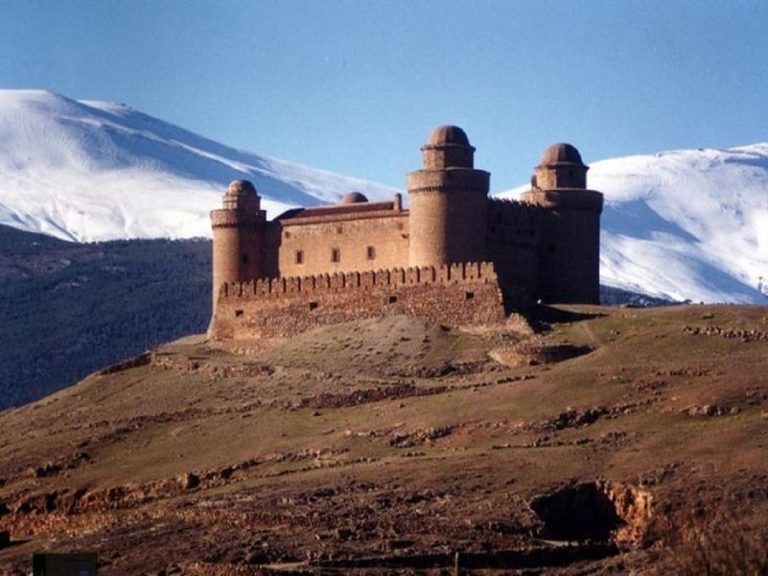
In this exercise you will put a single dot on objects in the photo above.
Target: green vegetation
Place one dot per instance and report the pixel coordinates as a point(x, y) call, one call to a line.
point(69, 309)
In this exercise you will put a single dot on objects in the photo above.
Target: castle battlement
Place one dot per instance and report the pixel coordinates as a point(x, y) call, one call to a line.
point(455, 294)
point(455, 256)
point(516, 208)
point(459, 273)
point(514, 213)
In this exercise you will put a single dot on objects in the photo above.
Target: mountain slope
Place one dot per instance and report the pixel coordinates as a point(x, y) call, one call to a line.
point(681, 225)
point(387, 446)
point(68, 309)
point(89, 171)
point(686, 224)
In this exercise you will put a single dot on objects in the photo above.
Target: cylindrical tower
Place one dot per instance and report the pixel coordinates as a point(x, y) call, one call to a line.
point(569, 253)
point(237, 236)
point(449, 202)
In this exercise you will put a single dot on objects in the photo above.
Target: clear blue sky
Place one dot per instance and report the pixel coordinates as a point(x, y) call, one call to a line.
point(356, 86)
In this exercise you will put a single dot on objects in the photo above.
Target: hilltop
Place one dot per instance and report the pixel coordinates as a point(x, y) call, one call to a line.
point(396, 443)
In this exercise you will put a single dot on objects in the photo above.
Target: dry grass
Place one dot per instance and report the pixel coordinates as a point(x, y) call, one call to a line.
point(371, 437)
point(716, 543)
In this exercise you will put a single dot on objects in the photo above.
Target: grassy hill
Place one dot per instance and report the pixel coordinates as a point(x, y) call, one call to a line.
point(605, 440)
point(69, 309)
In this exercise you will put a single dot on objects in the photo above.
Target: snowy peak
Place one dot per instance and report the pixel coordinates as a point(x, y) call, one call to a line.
point(683, 224)
point(90, 170)
point(686, 224)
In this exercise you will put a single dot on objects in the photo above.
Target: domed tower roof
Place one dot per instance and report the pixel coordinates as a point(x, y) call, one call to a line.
point(448, 136)
point(241, 195)
point(560, 167)
point(353, 198)
point(240, 188)
point(448, 147)
point(561, 153)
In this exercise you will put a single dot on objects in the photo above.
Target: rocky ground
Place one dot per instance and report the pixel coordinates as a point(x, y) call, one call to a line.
point(586, 441)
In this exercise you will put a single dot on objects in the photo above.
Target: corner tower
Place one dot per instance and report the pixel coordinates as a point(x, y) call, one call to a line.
point(448, 199)
point(569, 253)
point(237, 236)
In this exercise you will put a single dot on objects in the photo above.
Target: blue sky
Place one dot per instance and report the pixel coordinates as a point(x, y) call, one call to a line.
point(356, 86)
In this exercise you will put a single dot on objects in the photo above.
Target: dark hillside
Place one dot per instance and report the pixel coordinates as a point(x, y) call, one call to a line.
point(69, 309)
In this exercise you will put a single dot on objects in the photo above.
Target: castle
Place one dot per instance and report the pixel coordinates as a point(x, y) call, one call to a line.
point(456, 256)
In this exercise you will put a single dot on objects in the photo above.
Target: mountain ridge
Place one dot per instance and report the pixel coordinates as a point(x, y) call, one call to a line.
point(91, 170)
point(682, 225)
point(685, 224)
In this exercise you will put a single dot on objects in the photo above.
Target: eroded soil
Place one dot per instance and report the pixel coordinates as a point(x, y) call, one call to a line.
point(592, 444)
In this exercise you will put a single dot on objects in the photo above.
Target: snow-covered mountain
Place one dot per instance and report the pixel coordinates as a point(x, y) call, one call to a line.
point(686, 224)
point(682, 225)
point(87, 171)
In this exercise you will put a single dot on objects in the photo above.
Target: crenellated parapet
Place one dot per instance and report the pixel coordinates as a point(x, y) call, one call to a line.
point(455, 294)
point(514, 221)
point(454, 256)
point(459, 273)
point(513, 209)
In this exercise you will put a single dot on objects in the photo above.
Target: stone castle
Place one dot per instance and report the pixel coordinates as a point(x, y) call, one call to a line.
point(456, 256)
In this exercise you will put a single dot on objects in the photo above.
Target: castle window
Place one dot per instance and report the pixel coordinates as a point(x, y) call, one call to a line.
point(313, 305)
point(392, 299)
point(286, 234)
point(469, 296)
point(370, 252)
point(339, 229)
point(238, 313)
point(245, 258)
point(400, 226)
point(335, 255)
point(299, 256)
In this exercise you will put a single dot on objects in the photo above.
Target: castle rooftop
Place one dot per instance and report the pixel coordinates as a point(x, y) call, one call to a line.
point(560, 153)
point(240, 188)
point(448, 147)
point(353, 198)
point(241, 195)
point(343, 211)
point(448, 136)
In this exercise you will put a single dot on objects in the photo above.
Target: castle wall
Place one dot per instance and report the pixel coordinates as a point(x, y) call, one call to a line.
point(570, 270)
point(513, 237)
point(569, 251)
point(460, 294)
point(369, 242)
point(448, 216)
point(237, 249)
point(565, 176)
point(270, 251)
point(361, 259)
